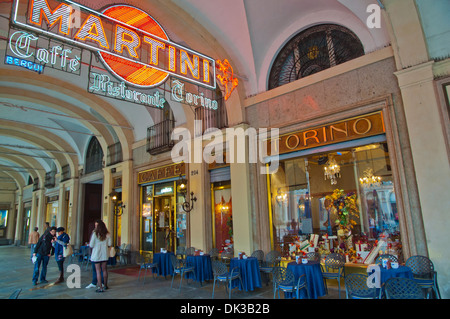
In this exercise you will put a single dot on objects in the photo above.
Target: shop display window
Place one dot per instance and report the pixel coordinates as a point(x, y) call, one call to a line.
point(339, 201)
point(223, 216)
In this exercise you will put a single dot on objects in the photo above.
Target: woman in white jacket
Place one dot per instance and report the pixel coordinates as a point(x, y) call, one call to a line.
point(100, 243)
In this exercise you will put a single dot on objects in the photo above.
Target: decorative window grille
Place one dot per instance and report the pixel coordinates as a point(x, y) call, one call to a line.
point(94, 156)
point(313, 50)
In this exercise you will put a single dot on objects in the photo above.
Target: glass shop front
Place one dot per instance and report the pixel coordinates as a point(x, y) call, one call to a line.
point(163, 222)
point(338, 195)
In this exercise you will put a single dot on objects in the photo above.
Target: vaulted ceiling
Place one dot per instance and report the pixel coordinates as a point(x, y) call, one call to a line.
point(47, 120)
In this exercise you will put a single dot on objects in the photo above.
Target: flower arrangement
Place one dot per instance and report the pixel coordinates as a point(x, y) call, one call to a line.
point(345, 206)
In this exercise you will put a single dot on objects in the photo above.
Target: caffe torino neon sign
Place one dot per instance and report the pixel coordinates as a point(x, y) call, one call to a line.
point(131, 44)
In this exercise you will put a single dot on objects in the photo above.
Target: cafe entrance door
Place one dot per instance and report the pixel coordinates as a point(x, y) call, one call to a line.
point(164, 223)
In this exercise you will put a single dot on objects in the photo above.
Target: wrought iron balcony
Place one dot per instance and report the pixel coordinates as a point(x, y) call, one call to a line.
point(159, 137)
point(50, 180)
point(211, 119)
point(114, 154)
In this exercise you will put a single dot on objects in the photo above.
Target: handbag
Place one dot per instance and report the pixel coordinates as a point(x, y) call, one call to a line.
point(68, 251)
point(112, 252)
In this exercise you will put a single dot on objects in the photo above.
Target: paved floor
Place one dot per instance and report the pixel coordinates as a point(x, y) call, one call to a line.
point(16, 271)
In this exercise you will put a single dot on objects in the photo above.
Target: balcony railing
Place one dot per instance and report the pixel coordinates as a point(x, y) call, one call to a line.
point(159, 137)
point(114, 154)
point(50, 179)
point(36, 184)
point(65, 174)
point(211, 119)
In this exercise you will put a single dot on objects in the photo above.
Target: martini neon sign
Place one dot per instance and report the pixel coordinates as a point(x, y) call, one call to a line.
point(131, 44)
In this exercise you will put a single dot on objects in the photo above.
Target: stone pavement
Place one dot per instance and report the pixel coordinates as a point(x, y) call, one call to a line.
point(16, 270)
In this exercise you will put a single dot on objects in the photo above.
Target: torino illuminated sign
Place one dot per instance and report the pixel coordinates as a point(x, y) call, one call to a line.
point(131, 44)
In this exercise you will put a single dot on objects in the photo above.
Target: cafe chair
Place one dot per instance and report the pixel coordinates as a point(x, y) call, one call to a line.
point(126, 254)
point(221, 274)
point(181, 251)
point(272, 259)
point(190, 251)
point(120, 252)
point(226, 257)
point(15, 294)
point(86, 256)
point(214, 253)
point(356, 287)
point(402, 288)
point(313, 256)
point(424, 274)
point(77, 254)
point(146, 263)
point(380, 258)
point(284, 280)
point(182, 267)
point(258, 254)
point(334, 269)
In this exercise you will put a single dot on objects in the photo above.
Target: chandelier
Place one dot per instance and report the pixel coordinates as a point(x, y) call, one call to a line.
point(332, 170)
point(369, 180)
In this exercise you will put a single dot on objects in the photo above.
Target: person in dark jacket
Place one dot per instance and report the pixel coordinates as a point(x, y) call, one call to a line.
point(43, 250)
point(61, 242)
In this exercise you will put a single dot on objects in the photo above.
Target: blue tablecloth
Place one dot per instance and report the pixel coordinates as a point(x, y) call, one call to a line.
point(203, 269)
point(385, 274)
point(402, 271)
point(249, 268)
point(314, 279)
point(165, 265)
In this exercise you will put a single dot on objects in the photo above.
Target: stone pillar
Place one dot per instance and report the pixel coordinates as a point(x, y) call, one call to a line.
point(19, 222)
point(426, 134)
point(198, 218)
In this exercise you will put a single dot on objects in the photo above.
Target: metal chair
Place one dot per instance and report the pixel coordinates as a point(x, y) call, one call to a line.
point(272, 259)
point(180, 266)
point(78, 254)
point(86, 256)
point(402, 288)
point(190, 251)
point(181, 251)
point(221, 274)
point(214, 253)
point(334, 262)
point(424, 274)
point(259, 254)
point(120, 252)
point(15, 294)
point(356, 287)
point(146, 263)
point(126, 253)
point(380, 258)
point(313, 256)
point(284, 280)
point(225, 257)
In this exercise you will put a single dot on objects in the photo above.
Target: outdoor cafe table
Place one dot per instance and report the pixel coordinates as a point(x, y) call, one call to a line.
point(249, 269)
point(202, 267)
point(314, 278)
point(385, 274)
point(164, 263)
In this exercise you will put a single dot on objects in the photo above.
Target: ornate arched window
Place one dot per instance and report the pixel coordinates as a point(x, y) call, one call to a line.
point(313, 50)
point(94, 156)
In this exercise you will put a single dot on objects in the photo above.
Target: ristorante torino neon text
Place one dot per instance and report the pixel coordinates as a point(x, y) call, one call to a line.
point(131, 44)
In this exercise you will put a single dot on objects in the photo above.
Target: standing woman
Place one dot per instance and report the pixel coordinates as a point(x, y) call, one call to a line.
point(100, 243)
point(61, 242)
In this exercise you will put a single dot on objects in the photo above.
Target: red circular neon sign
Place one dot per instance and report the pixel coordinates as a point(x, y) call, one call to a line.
point(132, 72)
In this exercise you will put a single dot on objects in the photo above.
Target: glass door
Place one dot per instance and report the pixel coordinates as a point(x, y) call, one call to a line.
point(164, 223)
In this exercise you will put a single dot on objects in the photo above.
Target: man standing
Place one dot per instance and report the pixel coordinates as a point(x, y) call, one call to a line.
point(43, 250)
point(33, 239)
